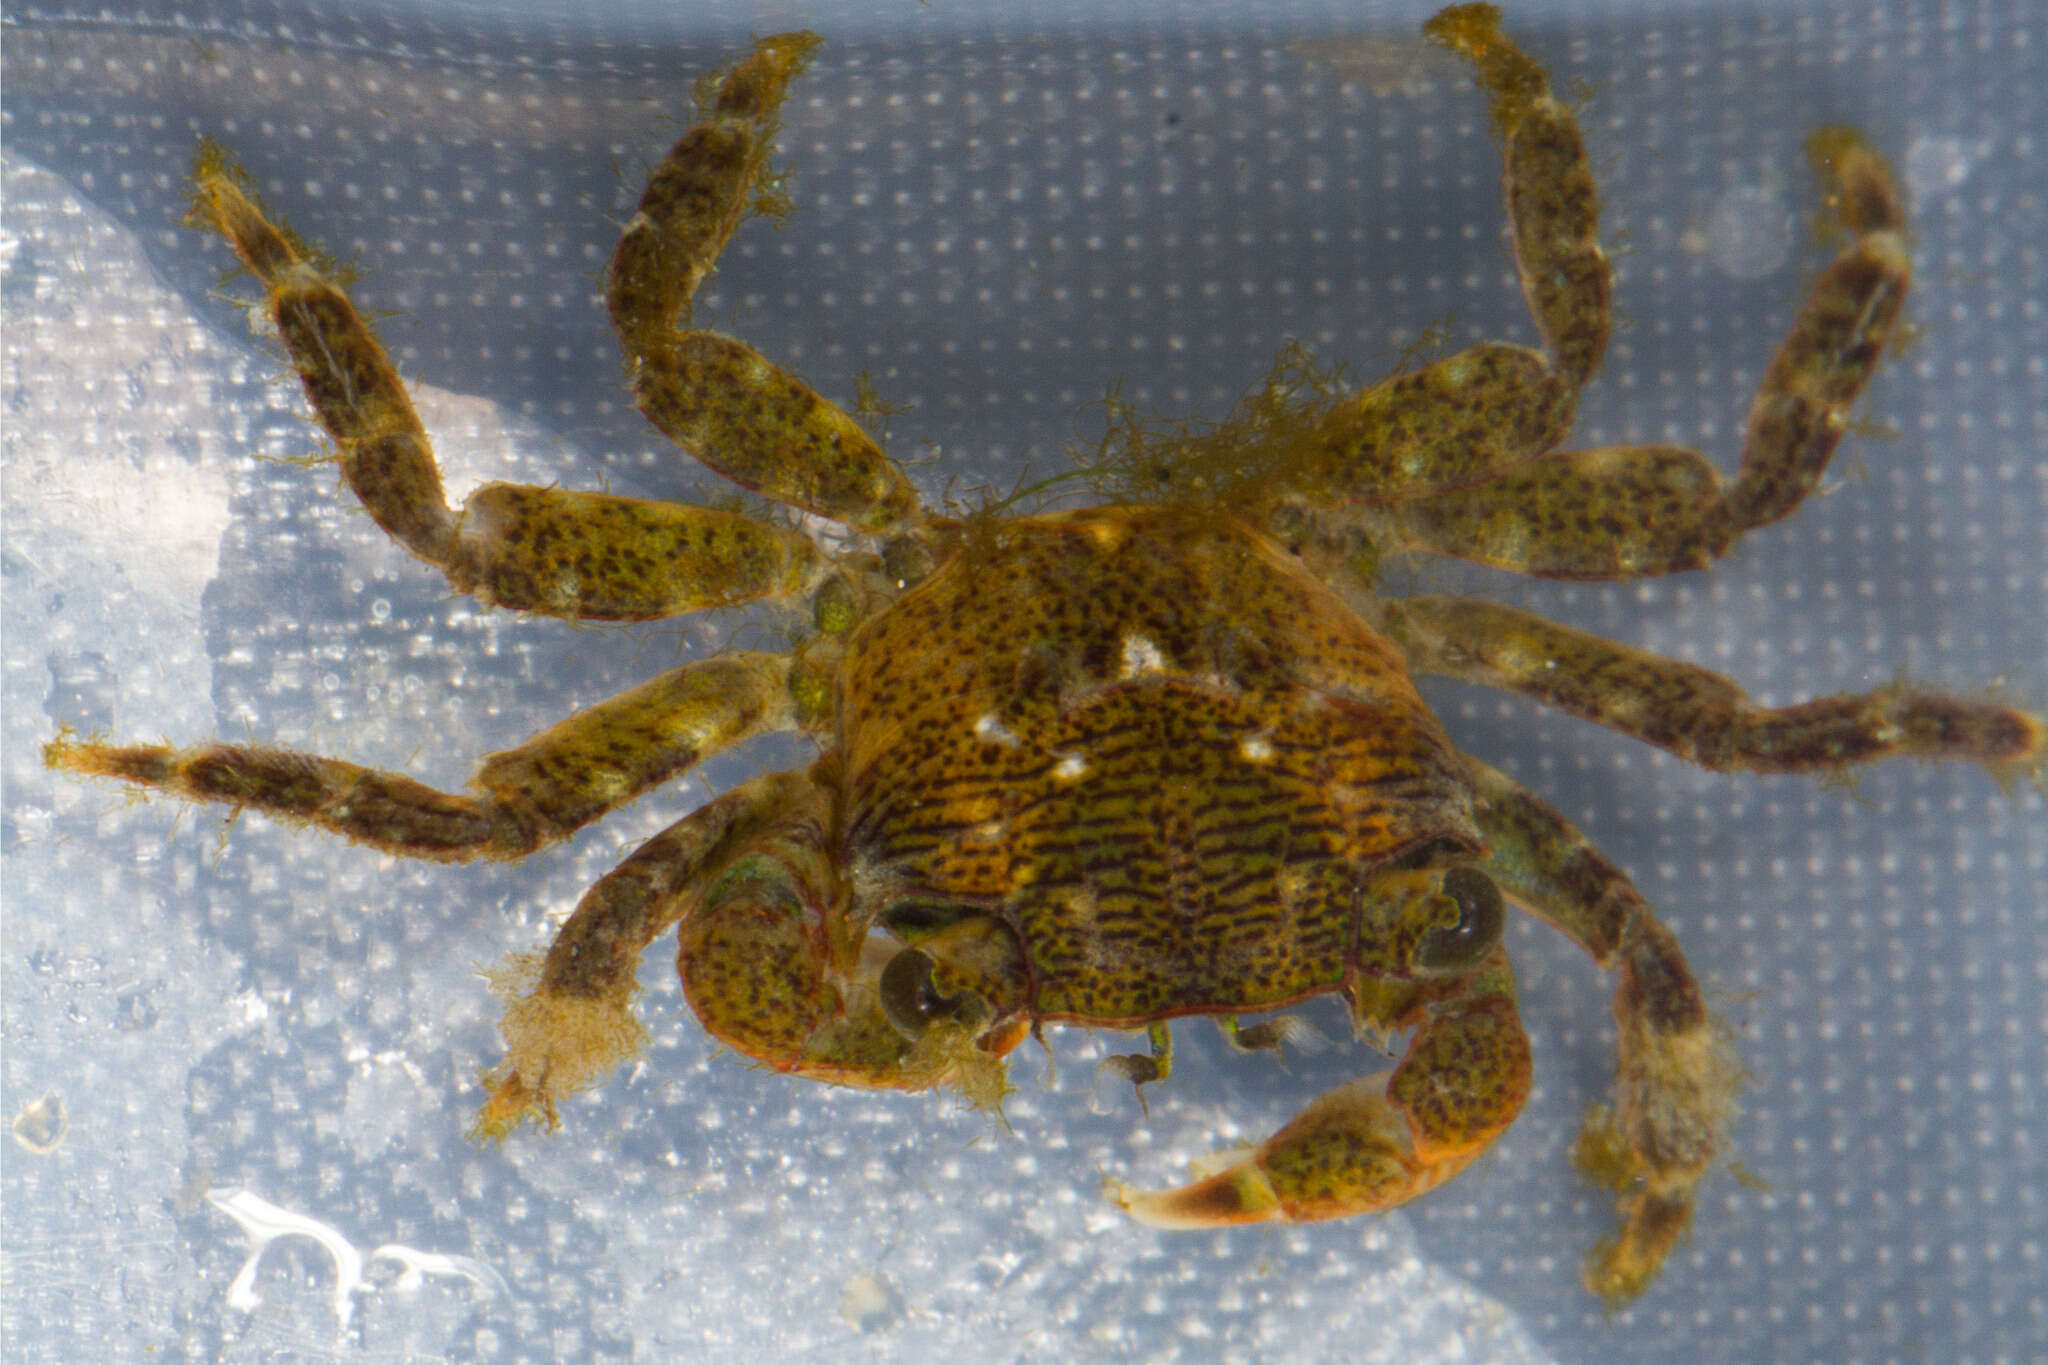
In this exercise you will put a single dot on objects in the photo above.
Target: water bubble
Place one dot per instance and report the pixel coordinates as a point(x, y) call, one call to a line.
point(1749, 232)
point(1936, 165)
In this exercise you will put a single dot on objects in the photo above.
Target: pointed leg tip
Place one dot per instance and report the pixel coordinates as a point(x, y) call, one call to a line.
point(1613, 1277)
point(1654, 1223)
point(1464, 28)
point(512, 1104)
point(1241, 1194)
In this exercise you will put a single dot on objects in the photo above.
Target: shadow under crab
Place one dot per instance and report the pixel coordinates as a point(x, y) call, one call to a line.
point(1115, 766)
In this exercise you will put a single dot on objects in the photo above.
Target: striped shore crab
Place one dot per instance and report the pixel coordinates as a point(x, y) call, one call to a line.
point(1114, 766)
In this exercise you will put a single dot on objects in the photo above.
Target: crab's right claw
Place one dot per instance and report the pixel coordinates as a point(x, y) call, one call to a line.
point(1377, 1142)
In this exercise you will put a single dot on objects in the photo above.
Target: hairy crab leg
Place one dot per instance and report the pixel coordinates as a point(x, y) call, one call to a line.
point(1382, 1140)
point(1676, 1076)
point(1459, 421)
point(521, 799)
point(1702, 716)
point(1452, 458)
point(1625, 511)
point(717, 397)
point(568, 1013)
point(1553, 205)
point(1464, 419)
point(586, 555)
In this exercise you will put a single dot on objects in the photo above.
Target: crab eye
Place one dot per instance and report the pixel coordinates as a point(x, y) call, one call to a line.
point(912, 1002)
point(907, 560)
point(1478, 926)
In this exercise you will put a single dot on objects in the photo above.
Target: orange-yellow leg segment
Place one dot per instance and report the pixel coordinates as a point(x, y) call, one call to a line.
point(719, 398)
point(1380, 1141)
point(1703, 716)
point(1675, 1077)
point(586, 555)
point(520, 799)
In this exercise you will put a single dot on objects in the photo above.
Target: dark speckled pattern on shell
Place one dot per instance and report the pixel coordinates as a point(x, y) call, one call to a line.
point(1153, 745)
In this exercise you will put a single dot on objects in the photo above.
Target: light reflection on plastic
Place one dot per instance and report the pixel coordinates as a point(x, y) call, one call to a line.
point(264, 1222)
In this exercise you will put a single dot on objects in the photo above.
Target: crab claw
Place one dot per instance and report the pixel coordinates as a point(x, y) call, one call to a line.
point(758, 969)
point(1377, 1142)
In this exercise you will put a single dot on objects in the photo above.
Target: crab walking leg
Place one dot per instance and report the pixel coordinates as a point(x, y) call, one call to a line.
point(1459, 421)
point(1520, 400)
point(1553, 205)
point(1382, 1140)
point(1624, 511)
point(1676, 1076)
point(1465, 419)
point(586, 555)
point(719, 398)
point(596, 557)
point(520, 799)
point(1698, 714)
point(568, 1015)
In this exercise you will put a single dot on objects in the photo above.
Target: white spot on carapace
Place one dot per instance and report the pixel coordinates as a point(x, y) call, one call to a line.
point(1070, 767)
point(1255, 749)
point(1141, 656)
point(990, 727)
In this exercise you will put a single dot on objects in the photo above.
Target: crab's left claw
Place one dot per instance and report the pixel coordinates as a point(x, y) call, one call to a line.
point(758, 969)
point(1380, 1141)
